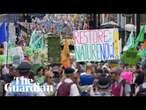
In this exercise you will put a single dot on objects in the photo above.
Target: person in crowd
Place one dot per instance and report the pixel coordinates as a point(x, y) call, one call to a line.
point(67, 87)
point(118, 83)
point(141, 89)
point(89, 69)
point(11, 73)
point(40, 78)
point(5, 73)
point(128, 77)
point(139, 75)
point(57, 71)
point(49, 84)
point(106, 68)
point(103, 86)
point(21, 85)
point(86, 85)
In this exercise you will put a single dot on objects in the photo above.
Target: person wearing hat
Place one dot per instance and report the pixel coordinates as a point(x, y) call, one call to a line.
point(67, 87)
point(118, 82)
point(86, 85)
point(22, 85)
point(103, 86)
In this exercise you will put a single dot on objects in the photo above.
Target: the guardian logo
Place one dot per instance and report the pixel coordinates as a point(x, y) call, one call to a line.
point(22, 84)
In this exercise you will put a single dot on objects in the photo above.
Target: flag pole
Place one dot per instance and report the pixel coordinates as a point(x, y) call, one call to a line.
point(7, 48)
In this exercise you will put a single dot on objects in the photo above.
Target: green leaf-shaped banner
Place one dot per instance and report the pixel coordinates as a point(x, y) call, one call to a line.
point(131, 57)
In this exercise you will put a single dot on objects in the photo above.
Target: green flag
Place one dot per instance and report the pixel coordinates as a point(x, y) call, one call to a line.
point(36, 40)
point(130, 42)
point(10, 44)
point(142, 53)
point(28, 51)
point(131, 56)
point(32, 40)
point(39, 42)
point(3, 58)
point(140, 37)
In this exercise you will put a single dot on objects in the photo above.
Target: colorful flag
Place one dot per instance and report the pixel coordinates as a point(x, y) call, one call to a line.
point(140, 37)
point(3, 32)
point(130, 42)
point(3, 59)
point(142, 52)
point(116, 43)
point(65, 55)
point(39, 42)
point(144, 45)
point(131, 56)
point(32, 40)
point(36, 40)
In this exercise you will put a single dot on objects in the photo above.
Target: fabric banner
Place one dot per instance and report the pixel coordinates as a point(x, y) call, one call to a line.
point(96, 45)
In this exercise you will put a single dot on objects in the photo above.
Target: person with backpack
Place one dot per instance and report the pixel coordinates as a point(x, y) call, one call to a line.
point(67, 87)
point(141, 89)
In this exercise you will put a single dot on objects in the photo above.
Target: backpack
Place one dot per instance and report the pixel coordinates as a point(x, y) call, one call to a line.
point(116, 90)
point(64, 89)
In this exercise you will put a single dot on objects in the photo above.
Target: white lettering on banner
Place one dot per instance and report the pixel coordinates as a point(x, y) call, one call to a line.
point(96, 45)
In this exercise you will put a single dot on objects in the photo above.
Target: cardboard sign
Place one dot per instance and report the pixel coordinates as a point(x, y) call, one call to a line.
point(96, 45)
point(15, 53)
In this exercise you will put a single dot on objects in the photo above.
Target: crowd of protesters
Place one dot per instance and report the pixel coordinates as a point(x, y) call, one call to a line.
point(88, 79)
point(81, 79)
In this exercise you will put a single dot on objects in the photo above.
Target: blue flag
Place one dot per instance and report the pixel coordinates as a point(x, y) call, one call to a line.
point(3, 32)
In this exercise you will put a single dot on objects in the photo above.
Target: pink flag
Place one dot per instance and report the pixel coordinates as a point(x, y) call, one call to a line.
point(128, 76)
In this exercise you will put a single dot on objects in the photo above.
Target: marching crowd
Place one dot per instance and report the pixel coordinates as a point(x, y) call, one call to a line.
point(79, 80)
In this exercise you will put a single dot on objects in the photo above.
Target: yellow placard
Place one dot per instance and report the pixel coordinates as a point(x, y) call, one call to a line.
point(116, 43)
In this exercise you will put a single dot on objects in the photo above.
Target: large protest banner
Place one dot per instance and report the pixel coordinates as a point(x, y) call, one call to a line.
point(54, 49)
point(96, 45)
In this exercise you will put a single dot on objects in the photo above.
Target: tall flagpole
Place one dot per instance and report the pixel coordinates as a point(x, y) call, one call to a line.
point(7, 35)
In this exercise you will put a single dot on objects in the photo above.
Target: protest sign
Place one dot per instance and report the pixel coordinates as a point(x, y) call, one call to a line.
point(96, 45)
point(54, 49)
point(15, 53)
point(16, 60)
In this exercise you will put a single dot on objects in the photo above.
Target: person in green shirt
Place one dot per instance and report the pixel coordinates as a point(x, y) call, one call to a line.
point(40, 78)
